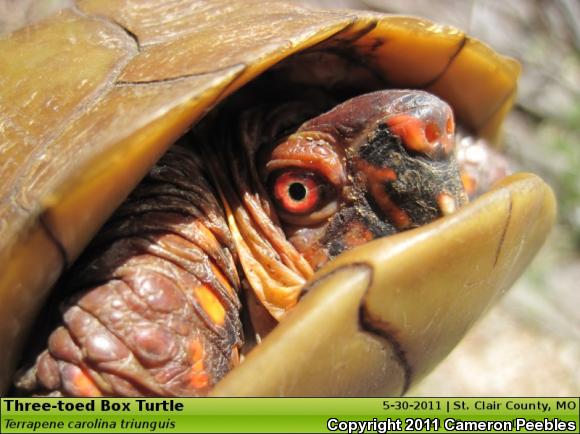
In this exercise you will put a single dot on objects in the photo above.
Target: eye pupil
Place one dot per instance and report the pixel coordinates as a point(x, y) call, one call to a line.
point(297, 191)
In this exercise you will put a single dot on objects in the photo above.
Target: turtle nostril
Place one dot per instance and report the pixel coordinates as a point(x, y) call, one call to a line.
point(411, 130)
point(422, 136)
point(432, 132)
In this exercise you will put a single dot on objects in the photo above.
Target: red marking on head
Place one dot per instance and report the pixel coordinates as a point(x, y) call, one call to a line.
point(383, 174)
point(376, 178)
point(397, 216)
point(376, 174)
point(420, 136)
point(411, 130)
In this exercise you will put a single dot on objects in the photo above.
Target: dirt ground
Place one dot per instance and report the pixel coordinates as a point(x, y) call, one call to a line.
point(529, 343)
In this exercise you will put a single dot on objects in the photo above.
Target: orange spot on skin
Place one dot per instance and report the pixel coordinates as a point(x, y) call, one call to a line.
point(357, 234)
point(198, 378)
point(210, 304)
point(199, 381)
point(376, 174)
point(420, 137)
point(84, 384)
point(469, 183)
point(397, 216)
point(412, 131)
point(196, 352)
point(376, 178)
point(221, 278)
point(382, 174)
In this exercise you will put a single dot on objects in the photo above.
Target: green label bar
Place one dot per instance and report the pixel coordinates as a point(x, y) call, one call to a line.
point(285, 415)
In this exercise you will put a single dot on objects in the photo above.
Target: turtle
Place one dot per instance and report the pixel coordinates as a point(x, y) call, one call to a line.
point(108, 104)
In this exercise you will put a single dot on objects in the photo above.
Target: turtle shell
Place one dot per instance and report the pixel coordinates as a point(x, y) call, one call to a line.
point(93, 96)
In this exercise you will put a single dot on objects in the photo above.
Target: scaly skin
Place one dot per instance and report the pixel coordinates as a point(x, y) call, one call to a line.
point(158, 311)
point(153, 305)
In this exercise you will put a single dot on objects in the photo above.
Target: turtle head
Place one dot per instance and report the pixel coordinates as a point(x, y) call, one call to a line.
point(374, 165)
point(306, 184)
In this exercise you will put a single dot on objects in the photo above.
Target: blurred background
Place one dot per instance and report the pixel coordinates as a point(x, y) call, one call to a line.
point(529, 343)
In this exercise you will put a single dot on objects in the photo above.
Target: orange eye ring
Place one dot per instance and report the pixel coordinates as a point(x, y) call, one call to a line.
point(298, 192)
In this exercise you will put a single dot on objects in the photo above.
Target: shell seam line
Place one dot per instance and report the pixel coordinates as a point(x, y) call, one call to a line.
point(504, 231)
point(372, 25)
point(108, 20)
point(379, 328)
point(337, 35)
point(370, 325)
point(312, 283)
point(42, 217)
point(84, 106)
point(225, 90)
point(127, 83)
point(435, 79)
point(52, 236)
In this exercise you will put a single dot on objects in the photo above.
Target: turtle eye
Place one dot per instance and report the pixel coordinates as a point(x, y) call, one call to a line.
point(297, 192)
point(301, 194)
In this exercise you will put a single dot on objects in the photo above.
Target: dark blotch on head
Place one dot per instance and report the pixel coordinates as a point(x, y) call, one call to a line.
point(419, 179)
point(362, 212)
point(376, 151)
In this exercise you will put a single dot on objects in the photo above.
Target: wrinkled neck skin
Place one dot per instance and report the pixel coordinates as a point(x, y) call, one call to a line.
point(302, 182)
